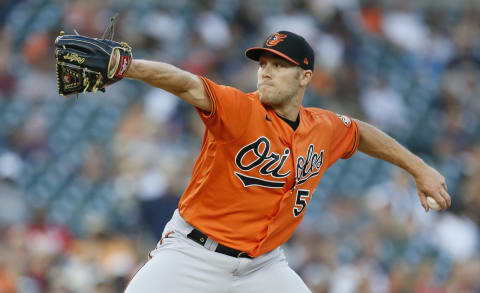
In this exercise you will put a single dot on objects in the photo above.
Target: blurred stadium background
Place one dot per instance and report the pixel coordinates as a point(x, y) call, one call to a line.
point(87, 184)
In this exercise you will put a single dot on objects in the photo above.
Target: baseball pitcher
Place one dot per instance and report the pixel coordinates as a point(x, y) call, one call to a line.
point(263, 154)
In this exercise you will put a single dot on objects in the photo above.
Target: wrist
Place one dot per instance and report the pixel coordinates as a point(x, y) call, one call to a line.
point(415, 167)
point(131, 69)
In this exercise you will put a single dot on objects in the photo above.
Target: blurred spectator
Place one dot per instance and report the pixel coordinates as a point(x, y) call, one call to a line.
point(158, 201)
point(464, 277)
point(372, 17)
point(464, 245)
point(86, 17)
point(7, 79)
point(399, 196)
point(404, 28)
point(295, 17)
point(38, 82)
point(13, 209)
point(46, 238)
point(8, 282)
point(384, 107)
point(212, 28)
point(471, 186)
point(94, 165)
point(29, 140)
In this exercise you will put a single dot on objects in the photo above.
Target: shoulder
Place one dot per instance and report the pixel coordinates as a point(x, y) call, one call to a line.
point(317, 111)
point(318, 114)
point(326, 116)
point(221, 90)
point(253, 96)
point(208, 83)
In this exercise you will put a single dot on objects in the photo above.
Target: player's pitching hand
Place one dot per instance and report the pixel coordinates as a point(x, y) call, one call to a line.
point(431, 183)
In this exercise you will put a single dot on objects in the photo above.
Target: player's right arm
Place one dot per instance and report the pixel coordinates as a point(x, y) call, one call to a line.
point(179, 82)
point(430, 182)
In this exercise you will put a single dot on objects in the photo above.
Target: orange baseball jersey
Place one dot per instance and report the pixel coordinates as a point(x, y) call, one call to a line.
point(255, 175)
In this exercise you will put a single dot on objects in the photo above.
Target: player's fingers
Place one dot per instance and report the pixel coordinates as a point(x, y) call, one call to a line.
point(439, 199)
point(446, 196)
point(445, 186)
point(423, 200)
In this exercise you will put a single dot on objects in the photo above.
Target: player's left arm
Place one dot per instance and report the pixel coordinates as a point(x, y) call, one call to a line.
point(378, 144)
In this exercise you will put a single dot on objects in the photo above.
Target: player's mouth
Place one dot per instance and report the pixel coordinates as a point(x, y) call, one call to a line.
point(265, 84)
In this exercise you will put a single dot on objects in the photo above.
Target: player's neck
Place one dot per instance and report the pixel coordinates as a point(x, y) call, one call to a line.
point(291, 109)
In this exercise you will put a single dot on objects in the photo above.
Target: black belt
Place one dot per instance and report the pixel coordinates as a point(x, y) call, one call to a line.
point(201, 238)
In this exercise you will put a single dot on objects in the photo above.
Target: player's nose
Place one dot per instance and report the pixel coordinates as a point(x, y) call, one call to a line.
point(266, 71)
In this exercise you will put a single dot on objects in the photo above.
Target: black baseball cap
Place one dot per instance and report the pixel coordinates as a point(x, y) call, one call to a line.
point(287, 45)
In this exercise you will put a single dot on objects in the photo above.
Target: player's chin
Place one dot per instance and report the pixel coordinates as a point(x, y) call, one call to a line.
point(265, 97)
point(265, 100)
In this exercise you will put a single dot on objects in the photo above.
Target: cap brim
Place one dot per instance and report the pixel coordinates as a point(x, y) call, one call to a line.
point(256, 52)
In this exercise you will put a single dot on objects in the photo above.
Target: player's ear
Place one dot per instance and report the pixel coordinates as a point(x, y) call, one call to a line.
point(305, 77)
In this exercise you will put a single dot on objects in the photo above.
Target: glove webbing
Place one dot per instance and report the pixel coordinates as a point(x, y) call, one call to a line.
point(110, 30)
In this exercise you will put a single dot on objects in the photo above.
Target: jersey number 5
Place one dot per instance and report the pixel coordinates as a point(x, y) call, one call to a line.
point(300, 202)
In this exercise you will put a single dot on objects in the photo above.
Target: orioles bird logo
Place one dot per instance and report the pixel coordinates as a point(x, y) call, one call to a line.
point(275, 39)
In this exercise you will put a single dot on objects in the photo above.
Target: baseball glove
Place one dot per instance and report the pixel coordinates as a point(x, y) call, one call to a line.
point(90, 64)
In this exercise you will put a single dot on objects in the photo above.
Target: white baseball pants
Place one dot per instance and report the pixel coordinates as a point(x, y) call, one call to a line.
point(180, 265)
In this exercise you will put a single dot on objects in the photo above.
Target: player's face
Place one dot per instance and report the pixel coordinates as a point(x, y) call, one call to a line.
point(278, 80)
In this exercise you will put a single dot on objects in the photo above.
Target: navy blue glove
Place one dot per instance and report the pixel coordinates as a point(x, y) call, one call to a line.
point(89, 64)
